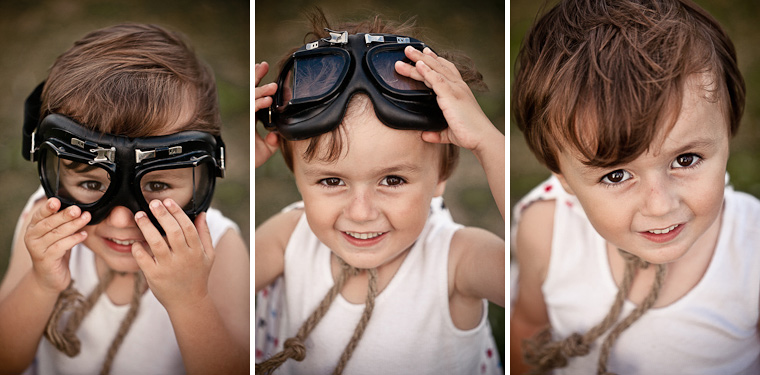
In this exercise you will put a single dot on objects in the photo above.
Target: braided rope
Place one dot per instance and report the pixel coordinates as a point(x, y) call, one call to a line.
point(66, 340)
point(543, 354)
point(134, 306)
point(294, 347)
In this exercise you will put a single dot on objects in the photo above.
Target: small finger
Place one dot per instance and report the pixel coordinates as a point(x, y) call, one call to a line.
point(153, 238)
point(433, 137)
point(261, 70)
point(144, 260)
point(60, 247)
point(205, 235)
point(266, 90)
point(189, 232)
point(175, 235)
point(262, 103)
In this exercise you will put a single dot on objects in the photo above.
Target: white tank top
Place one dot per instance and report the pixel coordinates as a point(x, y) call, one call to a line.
point(150, 346)
point(713, 329)
point(410, 331)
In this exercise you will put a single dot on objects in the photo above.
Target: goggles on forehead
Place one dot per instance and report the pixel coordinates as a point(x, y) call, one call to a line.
point(317, 82)
point(99, 171)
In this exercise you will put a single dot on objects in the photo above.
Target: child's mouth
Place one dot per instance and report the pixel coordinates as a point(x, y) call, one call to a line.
point(364, 236)
point(663, 235)
point(364, 239)
point(663, 231)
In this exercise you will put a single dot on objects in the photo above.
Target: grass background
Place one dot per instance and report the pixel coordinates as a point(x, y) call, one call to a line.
point(476, 28)
point(35, 33)
point(739, 19)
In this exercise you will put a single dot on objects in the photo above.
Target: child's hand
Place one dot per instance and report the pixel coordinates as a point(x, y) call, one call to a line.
point(178, 270)
point(265, 147)
point(468, 127)
point(49, 238)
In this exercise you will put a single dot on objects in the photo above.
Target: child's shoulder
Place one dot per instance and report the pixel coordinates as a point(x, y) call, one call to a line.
point(742, 212)
point(274, 234)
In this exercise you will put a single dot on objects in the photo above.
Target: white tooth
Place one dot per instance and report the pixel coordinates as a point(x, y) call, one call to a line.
point(120, 242)
point(663, 231)
point(363, 236)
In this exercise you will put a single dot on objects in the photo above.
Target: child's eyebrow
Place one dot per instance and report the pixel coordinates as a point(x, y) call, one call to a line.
point(400, 168)
point(698, 144)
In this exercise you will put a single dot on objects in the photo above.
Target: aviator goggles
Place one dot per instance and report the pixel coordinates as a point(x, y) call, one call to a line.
point(317, 82)
point(99, 171)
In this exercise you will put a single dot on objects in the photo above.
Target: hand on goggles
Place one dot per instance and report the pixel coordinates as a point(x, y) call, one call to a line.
point(97, 171)
point(317, 82)
point(468, 126)
point(265, 146)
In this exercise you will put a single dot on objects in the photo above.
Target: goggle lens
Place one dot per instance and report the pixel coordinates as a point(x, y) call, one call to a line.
point(81, 183)
point(75, 182)
point(188, 186)
point(384, 68)
point(312, 77)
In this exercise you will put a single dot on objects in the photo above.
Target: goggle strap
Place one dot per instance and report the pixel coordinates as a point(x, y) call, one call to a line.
point(32, 107)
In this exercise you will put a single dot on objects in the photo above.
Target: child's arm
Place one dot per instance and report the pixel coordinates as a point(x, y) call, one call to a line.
point(533, 242)
point(271, 240)
point(468, 127)
point(38, 271)
point(204, 290)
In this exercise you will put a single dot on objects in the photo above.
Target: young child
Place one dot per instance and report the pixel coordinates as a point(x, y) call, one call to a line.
point(126, 134)
point(636, 254)
point(372, 229)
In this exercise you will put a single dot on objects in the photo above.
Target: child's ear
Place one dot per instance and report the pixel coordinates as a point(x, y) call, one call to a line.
point(564, 183)
point(440, 188)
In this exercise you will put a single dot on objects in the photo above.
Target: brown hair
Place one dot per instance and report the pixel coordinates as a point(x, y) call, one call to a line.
point(603, 77)
point(133, 79)
point(334, 140)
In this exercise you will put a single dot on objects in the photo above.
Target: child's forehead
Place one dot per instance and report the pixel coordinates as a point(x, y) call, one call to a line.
point(605, 139)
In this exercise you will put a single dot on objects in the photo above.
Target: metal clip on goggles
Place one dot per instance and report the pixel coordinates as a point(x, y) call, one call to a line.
point(317, 82)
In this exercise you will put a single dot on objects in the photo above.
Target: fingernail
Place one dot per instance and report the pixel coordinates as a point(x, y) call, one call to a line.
point(139, 215)
point(155, 204)
point(168, 202)
point(74, 211)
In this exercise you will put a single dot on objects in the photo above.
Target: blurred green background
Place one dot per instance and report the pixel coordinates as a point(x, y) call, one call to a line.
point(739, 19)
point(475, 27)
point(34, 33)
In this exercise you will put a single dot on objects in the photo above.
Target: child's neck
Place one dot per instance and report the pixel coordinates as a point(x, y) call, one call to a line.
point(682, 275)
point(356, 288)
point(122, 286)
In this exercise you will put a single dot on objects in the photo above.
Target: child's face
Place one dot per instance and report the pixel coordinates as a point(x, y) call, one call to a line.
point(112, 238)
point(372, 203)
point(675, 187)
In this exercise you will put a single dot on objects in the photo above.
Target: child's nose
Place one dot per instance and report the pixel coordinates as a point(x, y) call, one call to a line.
point(660, 197)
point(121, 217)
point(362, 207)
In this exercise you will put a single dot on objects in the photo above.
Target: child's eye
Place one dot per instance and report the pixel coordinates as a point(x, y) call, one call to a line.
point(392, 181)
point(685, 161)
point(616, 177)
point(155, 186)
point(93, 185)
point(331, 181)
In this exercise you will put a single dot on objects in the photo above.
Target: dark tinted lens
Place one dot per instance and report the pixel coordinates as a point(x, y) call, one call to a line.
point(74, 181)
point(312, 77)
point(383, 63)
point(188, 186)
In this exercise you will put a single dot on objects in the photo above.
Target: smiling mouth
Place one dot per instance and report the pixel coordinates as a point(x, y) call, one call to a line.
point(364, 236)
point(663, 231)
point(122, 242)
